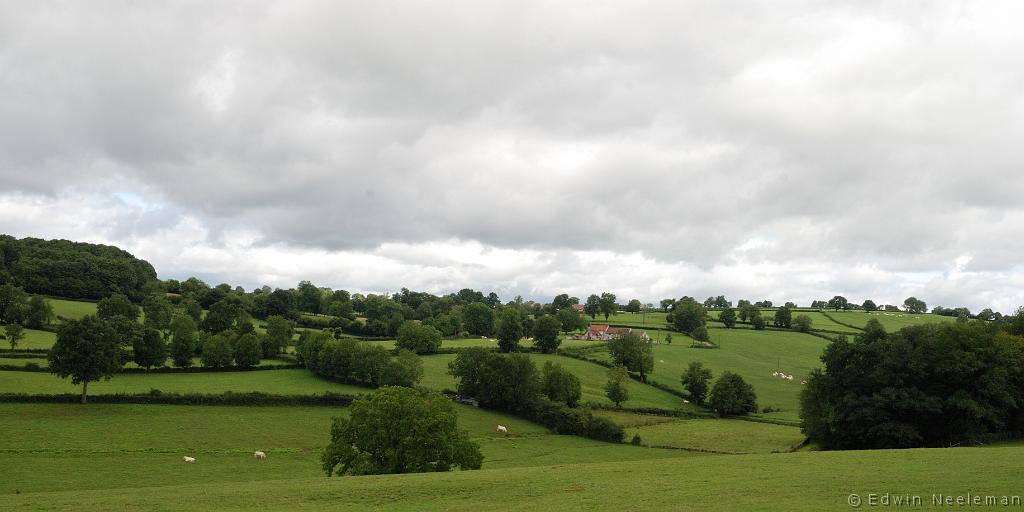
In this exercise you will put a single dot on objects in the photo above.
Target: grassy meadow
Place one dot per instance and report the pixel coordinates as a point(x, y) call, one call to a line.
point(72, 309)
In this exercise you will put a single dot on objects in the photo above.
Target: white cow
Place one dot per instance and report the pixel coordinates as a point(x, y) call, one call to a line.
point(188, 459)
point(259, 455)
point(502, 429)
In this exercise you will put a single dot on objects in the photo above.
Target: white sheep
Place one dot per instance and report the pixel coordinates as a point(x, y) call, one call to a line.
point(502, 429)
point(188, 459)
point(259, 455)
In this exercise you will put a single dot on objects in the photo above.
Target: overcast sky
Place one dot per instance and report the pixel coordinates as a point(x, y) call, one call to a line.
point(766, 150)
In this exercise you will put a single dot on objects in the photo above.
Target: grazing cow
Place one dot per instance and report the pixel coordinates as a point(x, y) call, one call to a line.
point(259, 455)
point(502, 429)
point(188, 459)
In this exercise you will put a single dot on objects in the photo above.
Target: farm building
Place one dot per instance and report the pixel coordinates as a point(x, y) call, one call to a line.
point(606, 332)
point(577, 308)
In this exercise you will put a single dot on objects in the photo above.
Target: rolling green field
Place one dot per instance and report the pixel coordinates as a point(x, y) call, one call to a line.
point(811, 481)
point(73, 309)
point(752, 354)
point(33, 339)
point(284, 382)
point(62, 447)
point(592, 380)
point(651, 319)
point(891, 320)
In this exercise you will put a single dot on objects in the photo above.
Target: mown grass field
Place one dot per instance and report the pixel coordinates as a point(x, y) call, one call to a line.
point(891, 320)
point(283, 382)
point(811, 481)
point(752, 354)
point(592, 380)
point(51, 447)
point(73, 309)
point(709, 434)
point(33, 339)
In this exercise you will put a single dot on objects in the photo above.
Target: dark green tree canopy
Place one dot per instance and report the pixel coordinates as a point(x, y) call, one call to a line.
point(732, 396)
point(688, 315)
point(117, 305)
point(696, 380)
point(545, 333)
point(397, 430)
point(632, 352)
point(510, 329)
point(86, 350)
point(419, 338)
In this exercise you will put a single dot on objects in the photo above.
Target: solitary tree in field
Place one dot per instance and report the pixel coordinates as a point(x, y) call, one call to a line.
point(593, 306)
point(14, 334)
point(731, 395)
point(783, 317)
point(419, 338)
point(634, 306)
point(915, 305)
point(838, 302)
point(802, 323)
point(607, 303)
point(869, 306)
point(398, 430)
point(688, 315)
point(570, 320)
point(728, 317)
point(617, 387)
point(86, 350)
point(509, 330)
point(757, 322)
point(545, 333)
point(696, 379)
point(632, 352)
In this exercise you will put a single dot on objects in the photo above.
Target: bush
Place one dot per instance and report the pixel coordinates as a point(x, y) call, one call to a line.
point(560, 385)
point(419, 338)
point(216, 352)
point(731, 395)
point(696, 379)
point(247, 351)
point(758, 322)
point(617, 388)
point(636, 440)
point(700, 334)
point(802, 323)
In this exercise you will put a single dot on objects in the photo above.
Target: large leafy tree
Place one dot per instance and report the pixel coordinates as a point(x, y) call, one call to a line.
point(838, 302)
point(696, 379)
point(183, 340)
point(38, 313)
point(593, 306)
point(915, 305)
point(15, 332)
point(509, 330)
point(149, 349)
point(607, 304)
point(117, 305)
point(617, 387)
point(545, 333)
point(560, 385)
point(632, 352)
point(570, 320)
point(397, 430)
point(502, 381)
point(926, 385)
point(731, 396)
point(158, 311)
point(86, 350)
point(688, 315)
point(728, 317)
point(419, 338)
point(478, 319)
point(279, 334)
point(783, 317)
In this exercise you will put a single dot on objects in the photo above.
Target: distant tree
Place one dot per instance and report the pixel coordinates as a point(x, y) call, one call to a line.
point(748, 311)
point(560, 385)
point(742, 303)
point(545, 334)
point(915, 305)
point(791, 305)
point(398, 430)
point(633, 353)
point(838, 302)
point(607, 304)
point(193, 310)
point(446, 324)
point(728, 317)
point(986, 314)
point(308, 297)
point(14, 334)
point(419, 338)
point(217, 352)
point(569, 319)
point(247, 351)
point(507, 382)
point(731, 396)
point(149, 350)
point(783, 318)
point(709, 302)
point(39, 313)
point(696, 380)
point(86, 350)
point(158, 311)
point(279, 335)
point(617, 387)
point(222, 316)
point(117, 305)
point(802, 323)
point(758, 322)
point(478, 319)
point(869, 306)
point(700, 334)
point(12, 302)
point(183, 340)
point(593, 306)
point(688, 315)
point(509, 330)
point(634, 306)
point(721, 302)
point(561, 301)
point(666, 304)
point(405, 369)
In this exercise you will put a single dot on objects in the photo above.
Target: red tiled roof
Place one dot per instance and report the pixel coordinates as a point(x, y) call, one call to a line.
point(598, 327)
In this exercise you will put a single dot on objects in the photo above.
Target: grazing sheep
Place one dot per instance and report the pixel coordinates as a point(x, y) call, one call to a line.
point(259, 455)
point(188, 459)
point(502, 429)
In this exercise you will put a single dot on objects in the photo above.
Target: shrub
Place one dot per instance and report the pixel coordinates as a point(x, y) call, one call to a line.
point(696, 380)
point(419, 338)
point(802, 323)
point(216, 352)
point(731, 395)
point(247, 351)
point(617, 388)
point(700, 334)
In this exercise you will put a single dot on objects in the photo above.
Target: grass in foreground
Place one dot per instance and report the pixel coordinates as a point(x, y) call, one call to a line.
point(53, 447)
point(793, 481)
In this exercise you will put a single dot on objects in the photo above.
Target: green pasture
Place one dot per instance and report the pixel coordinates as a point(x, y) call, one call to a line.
point(708, 434)
point(754, 355)
point(891, 320)
point(73, 309)
point(804, 481)
point(592, 380)
point(33, 339)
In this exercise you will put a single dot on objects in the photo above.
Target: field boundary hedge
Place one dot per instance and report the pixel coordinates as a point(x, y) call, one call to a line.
point(4, 351)
point(157, 397)
point(830, 317)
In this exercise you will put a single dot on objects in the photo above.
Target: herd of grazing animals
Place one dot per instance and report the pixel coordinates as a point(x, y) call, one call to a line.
point(258, 455)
